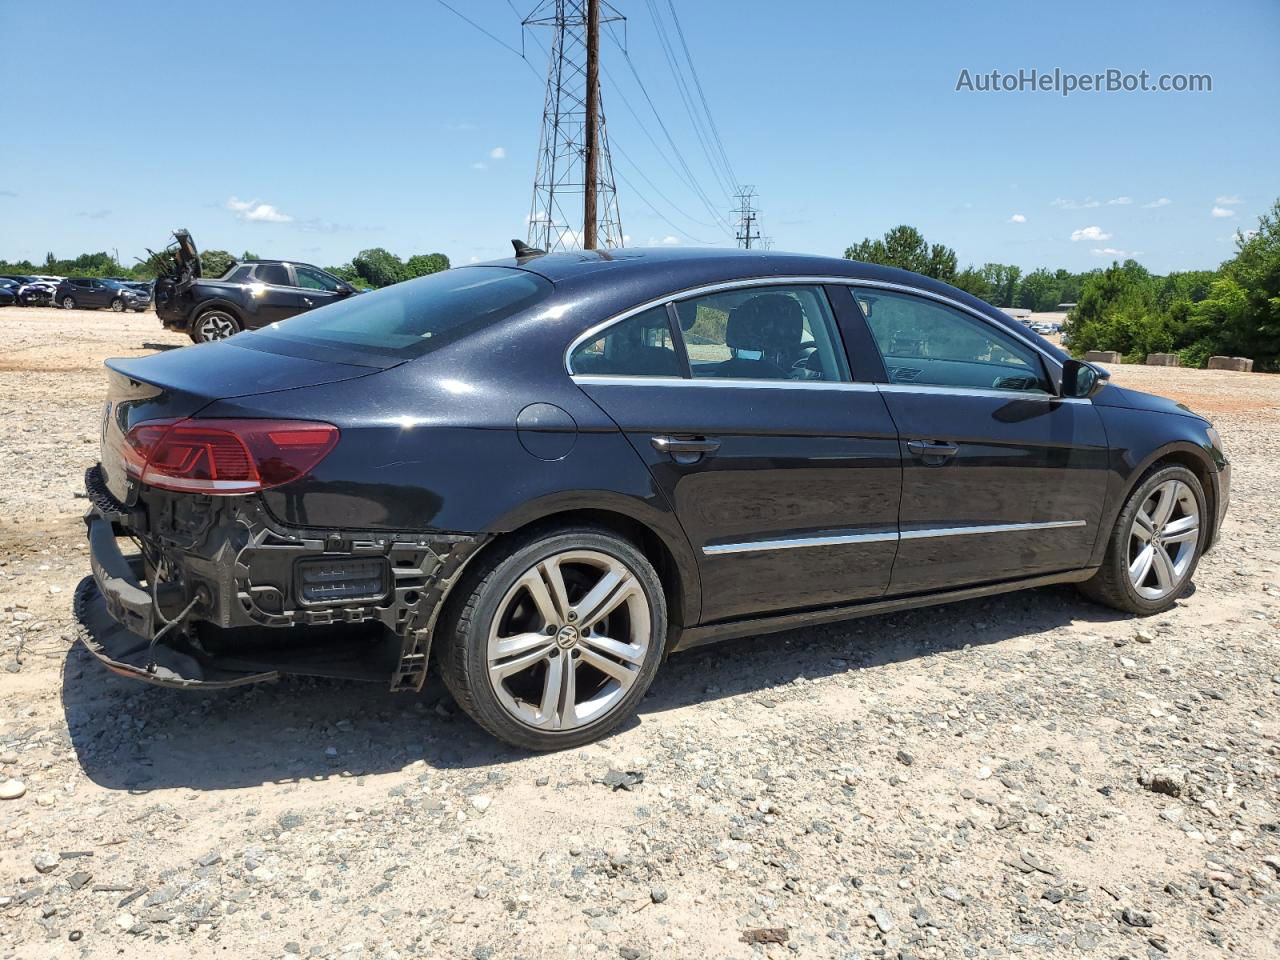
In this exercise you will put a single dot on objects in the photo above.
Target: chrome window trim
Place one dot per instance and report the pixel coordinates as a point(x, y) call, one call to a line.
point(722, 285)
point(625, 379)
point(944, 390)
point(922, 533)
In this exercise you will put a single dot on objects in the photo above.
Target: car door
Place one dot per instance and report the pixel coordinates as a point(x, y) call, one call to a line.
point(275, 297)
point(784, 472)
point(98, 293)
point(1002, 478)
point(316, 288)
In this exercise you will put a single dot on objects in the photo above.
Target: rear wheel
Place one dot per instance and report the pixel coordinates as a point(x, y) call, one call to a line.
point(214, 325)
point(1155, 546)
point(68, 303)
point(556, 638)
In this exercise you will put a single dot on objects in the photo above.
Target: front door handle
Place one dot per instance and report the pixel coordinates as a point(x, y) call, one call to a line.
point(933, 452)
point(685, 449)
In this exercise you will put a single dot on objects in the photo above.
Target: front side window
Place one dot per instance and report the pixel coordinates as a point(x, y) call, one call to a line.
point(929, 343)
point(763, 333)
point(412, 318)
point(275, 274)
point(641, 346)
point(314, 279)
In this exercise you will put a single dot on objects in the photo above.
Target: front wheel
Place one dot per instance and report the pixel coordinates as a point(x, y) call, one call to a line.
point(117, 305)
point(555, 639)
point(214, 325)
point(1155, 546)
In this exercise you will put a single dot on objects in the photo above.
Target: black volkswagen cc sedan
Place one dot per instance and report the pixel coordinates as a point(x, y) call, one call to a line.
point(543, 475)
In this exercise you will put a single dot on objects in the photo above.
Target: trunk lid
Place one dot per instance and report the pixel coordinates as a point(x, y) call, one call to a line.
point(179, 383)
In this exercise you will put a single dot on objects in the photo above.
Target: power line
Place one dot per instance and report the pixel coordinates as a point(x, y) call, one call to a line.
point(658, 213)
point(693, 70)
point(496, 39)
point(682, 87)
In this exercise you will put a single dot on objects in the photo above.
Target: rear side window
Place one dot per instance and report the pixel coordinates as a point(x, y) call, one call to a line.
point(409, 319)
point(641, 346)
point(276, 274)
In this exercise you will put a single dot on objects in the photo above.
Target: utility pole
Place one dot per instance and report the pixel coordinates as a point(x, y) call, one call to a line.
point(593, 111)
point(573, 153)
point(748, 229)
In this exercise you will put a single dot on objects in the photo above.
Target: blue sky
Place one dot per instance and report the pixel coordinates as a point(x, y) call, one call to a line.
point(313, 130)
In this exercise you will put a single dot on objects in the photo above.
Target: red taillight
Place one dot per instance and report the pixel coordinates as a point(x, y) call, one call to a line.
point(225, 456)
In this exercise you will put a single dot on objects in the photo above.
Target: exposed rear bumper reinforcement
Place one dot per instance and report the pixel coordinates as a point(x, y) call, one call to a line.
point(256, 596)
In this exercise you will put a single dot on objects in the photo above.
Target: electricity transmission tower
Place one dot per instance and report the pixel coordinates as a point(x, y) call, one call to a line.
point(748, 227)
point(575, 199)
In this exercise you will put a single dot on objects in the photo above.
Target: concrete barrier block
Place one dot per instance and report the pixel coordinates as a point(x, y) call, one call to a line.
point(1239, 364)
point(1162, 360)
point(1102, 356)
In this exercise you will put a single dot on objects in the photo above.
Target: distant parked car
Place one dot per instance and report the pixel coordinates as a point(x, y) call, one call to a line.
point(251, 294)
point(8, 293)
point(95, 292)
point(31, 290)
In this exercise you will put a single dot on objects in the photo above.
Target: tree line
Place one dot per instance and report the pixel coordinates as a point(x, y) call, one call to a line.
point(1232, 311)
point(369, 269)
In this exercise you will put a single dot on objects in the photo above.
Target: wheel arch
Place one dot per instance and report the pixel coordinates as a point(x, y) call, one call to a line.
point(200, 309)
point(1182, 453)
point(655, 533)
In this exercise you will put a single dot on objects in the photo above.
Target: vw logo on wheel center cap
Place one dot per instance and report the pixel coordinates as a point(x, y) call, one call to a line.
point(567, 636)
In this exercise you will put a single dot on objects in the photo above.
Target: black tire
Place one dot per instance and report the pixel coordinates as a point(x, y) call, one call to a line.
point(461, 643)
point(1111, 586)
point(68, 303)
point(215, 324)
point(117, 305)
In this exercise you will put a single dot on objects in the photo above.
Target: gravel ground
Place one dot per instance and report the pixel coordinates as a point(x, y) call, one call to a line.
point(1026, 775)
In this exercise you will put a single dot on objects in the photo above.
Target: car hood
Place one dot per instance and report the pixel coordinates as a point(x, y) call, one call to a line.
point(1113, 396)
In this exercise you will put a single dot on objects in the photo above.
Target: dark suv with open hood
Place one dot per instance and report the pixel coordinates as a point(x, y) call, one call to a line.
point(252, 294)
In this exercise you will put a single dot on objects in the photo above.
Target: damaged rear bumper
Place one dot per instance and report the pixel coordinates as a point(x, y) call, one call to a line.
point(240, 577)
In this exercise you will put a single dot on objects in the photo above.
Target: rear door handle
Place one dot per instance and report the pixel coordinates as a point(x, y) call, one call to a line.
point(933, 452)
point(685, 449)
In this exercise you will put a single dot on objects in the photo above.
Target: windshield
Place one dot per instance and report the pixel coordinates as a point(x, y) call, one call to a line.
point(411, 318)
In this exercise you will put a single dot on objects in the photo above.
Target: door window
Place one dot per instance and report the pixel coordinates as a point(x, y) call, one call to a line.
point(314, 279)
point(926, 342)
point(641, 346)
point(275, 274)
point(763, 333)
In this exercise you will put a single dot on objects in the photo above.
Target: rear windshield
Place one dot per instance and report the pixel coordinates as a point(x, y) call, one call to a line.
point(411, 318)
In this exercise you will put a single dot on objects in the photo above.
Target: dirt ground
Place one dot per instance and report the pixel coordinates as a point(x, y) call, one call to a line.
point(1026, 775)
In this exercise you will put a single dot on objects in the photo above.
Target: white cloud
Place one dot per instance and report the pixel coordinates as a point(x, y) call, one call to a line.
point(1089, 233)
point(479, 166)
point(257, 212)
point(1018, 218)
point(670, 240)
point(1120, 202)
point(1088, 204)
point(1222, 212)
point(1113, 252)
point(1162, 202)
point(498, 153)
point(1228, 201)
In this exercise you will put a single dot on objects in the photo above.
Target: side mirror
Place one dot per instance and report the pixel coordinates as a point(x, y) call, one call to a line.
point(1082, 380)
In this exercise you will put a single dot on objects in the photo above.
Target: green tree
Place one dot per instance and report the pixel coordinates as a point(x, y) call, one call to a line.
point(1003, 279)
point(1039, 291)
point(971, 280)
point(214, 263)
point(424, 263)
point(378, 267)
point(905, 247)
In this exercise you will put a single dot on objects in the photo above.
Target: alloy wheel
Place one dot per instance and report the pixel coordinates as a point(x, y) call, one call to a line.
point(1163, 540)
point(568, 640)
point(117, 306)
point(215, 326)
point(68, 303)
